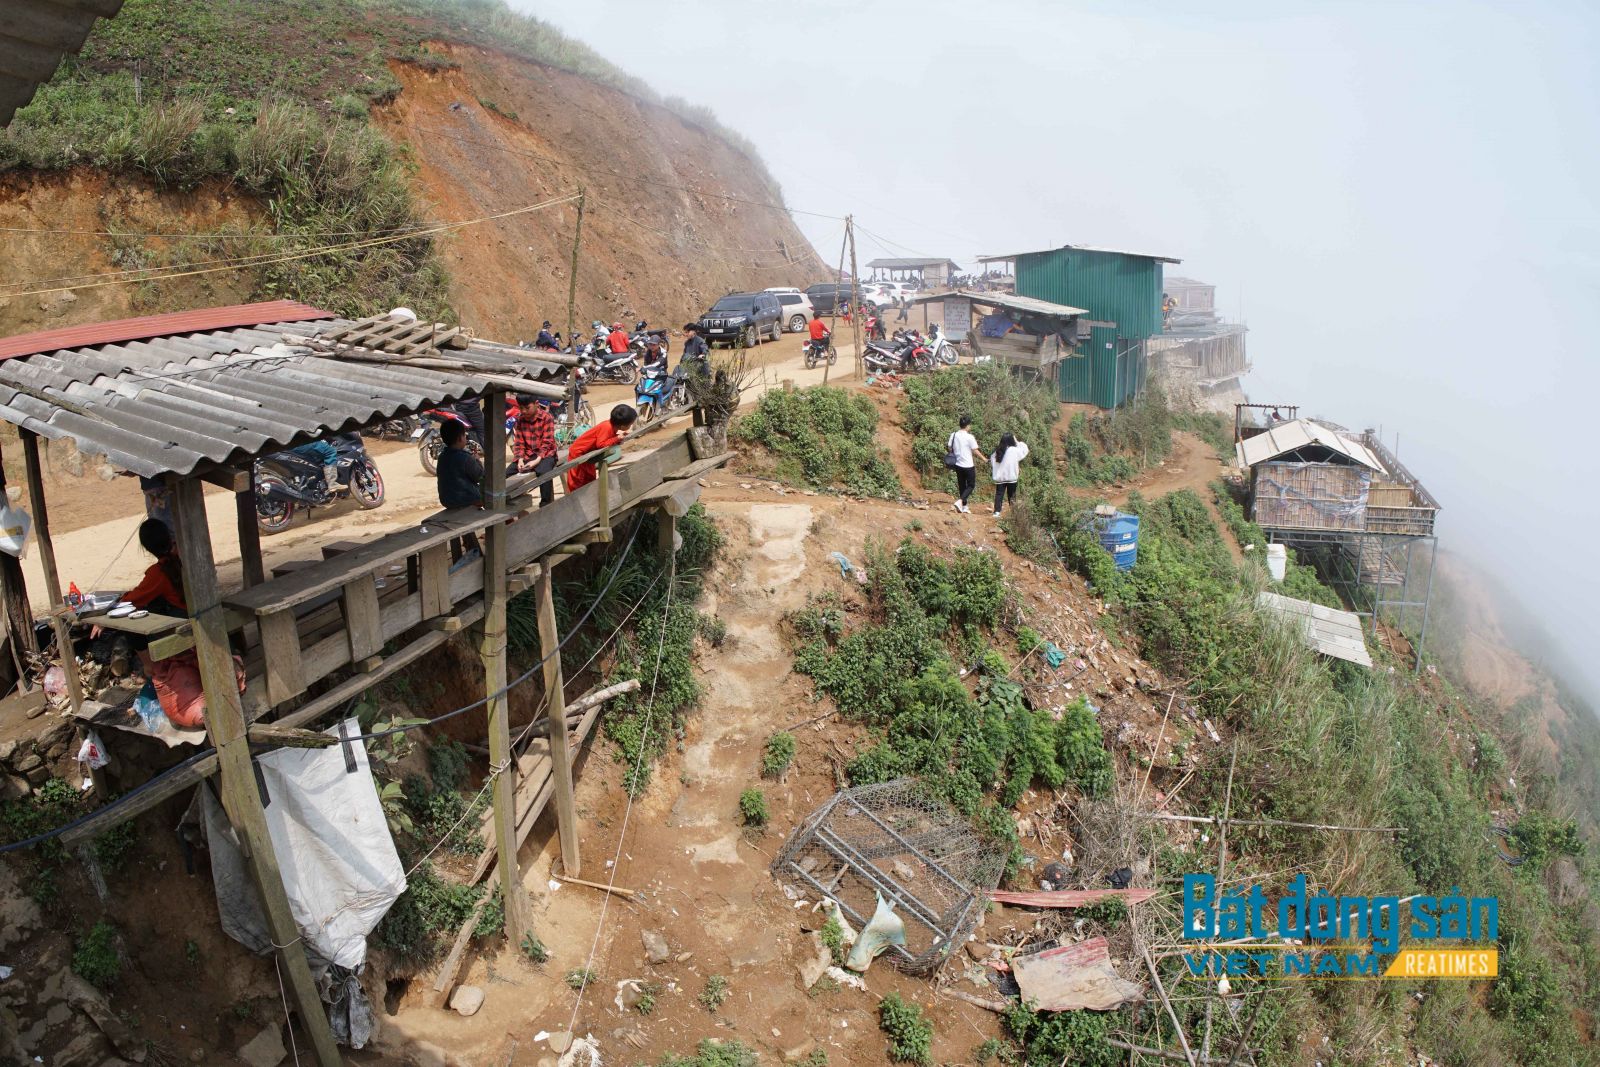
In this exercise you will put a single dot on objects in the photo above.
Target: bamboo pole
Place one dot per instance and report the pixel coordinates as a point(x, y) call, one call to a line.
point(572, 307)
point(1211, 820)
point(855, 291)
point(556, 716)
point(18, 614)
point(1161, 991)
point(240, 798)
point(492, 653)
point(833, 327)
point(1222, 872)
point(52, 577)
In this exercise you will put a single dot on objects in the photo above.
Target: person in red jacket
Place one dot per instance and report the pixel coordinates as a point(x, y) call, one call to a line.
point(617, 338)
point(818, 328)
point(599, 438)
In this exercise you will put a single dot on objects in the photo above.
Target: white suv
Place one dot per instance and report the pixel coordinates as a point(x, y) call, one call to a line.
point(796, 308)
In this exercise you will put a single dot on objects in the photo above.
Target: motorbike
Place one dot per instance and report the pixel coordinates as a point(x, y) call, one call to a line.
point(400, 429)
point(601, 365)
point(644, 342)
point(659, 391)
point(817, 351)
point(904, 354)
point(944, 351)
point(430, 442)
point(288, 481)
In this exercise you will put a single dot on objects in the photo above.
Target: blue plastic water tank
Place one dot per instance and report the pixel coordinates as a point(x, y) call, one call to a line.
point(1119, 535)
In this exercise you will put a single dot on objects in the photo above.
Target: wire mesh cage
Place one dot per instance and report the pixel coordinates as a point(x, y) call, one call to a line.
point(898, 840)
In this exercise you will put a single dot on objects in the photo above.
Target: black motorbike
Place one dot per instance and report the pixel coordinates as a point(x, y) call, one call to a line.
point(288, 481)
point(602, 365)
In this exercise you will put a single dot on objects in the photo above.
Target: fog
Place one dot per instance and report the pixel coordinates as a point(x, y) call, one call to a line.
point(1398, 198)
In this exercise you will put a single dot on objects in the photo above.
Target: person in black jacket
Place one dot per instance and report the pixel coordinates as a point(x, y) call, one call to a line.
point(460, 477)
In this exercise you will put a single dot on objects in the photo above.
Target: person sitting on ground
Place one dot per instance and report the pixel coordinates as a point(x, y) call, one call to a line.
point(533, 444)
point(617, 339)
point(604, 437)
point(546, 339)
point(460, 478)
point(1003, 464)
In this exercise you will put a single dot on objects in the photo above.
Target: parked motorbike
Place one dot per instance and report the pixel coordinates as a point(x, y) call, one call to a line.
point(400, 429)
point(944, 351)
point(659, 391)
point(897, 357)
point(603, 365)
point(646, 344)
point(817, 351)
point(288, 481)
point(430, 442)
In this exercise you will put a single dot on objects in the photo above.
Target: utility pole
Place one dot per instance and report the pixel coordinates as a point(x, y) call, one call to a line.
point(855, 291)
point(572, 306)
point(833, 329)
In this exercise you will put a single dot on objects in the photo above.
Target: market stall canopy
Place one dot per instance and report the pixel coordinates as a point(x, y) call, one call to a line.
point(1027, 305)
point(1284, 438)
point(197, 390)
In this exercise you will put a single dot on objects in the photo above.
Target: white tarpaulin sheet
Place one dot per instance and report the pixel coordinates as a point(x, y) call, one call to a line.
point(338, 860)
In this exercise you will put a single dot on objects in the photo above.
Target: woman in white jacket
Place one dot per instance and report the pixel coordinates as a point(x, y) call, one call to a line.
point(1003, 464)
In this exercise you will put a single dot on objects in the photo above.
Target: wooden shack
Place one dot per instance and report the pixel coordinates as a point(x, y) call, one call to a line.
point(1020, 333)
point(193, 399)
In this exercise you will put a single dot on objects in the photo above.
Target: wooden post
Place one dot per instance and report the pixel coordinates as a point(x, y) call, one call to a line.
point(603, 527)
point(855, 292)
point(492, 651)
point(556, 713)
point(572, 304)
point(52, 579)
point(18, 616)
point(244, 503)
point(666, 536)
point(240, 797)
point(833, 327)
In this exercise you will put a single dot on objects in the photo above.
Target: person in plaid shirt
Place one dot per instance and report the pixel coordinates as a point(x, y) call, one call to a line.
point(533, 444)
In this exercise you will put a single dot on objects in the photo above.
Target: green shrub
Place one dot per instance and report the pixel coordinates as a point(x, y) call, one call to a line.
point(579, 977)
point(534, 949)
point(714, 1053)
point(777, 755)
point(1107, 912)
point(910, 1035)
point(1541, 837)
point(1074, 1037)
point(753, 807)
point(823, 437)
point(96, 958)
point(447, 764)
point(429, 908)
point(716, 991)
point(832, 935)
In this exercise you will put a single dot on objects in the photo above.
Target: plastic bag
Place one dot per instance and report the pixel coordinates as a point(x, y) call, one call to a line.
point(149, 708)
point(92, 753)
point(55, 682)
point(884, 930)
point(14, 526)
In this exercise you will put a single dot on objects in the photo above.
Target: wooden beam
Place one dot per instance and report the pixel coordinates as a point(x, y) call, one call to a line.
point(280, 647)
point(231, 479)
point(667, 535)
point(116, 814)
point(492, 652)
point(52, 577)
point(556, 715)
point(244, 504)
point(240, 798)
point(362, 617)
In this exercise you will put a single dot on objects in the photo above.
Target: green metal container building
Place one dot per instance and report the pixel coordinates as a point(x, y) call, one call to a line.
point(1122, 291)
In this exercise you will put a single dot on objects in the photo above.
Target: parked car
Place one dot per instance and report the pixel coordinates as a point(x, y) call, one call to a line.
point(747, 315)
point(828, 294)
point(796, 310)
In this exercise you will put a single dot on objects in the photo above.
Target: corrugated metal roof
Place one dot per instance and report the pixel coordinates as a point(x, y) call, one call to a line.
point(1326, 630)
point(1299, 433)
point(910, 264)
point(1028, 304)
point(184, 401)
point(1079, 248)
point(34, 35)
point(176, 322)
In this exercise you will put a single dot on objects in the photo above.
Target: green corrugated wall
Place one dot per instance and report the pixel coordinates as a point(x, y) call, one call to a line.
point(1109, 372)
point(1113, 287)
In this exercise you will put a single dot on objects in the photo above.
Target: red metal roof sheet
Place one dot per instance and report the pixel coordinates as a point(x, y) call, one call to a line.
point(142, 329)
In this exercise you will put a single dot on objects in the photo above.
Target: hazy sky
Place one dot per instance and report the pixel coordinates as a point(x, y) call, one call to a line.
point(1400, 197)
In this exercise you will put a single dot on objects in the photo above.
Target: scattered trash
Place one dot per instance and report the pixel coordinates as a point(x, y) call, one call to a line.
point(1121, 878)
point(585, 1052)
point(5, 972)
point(1053, 654)
point(1054, 876)
point(843, 562)
point(1073, 977)
point(92, 753)
point(55, 682)
point(1070, 898)
point(1224, 987)
point(844, 977)
point(629, 992)
point(884, 930)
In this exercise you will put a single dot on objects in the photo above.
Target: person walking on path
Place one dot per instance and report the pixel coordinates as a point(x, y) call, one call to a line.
point(1008, 456)
point(960, 449)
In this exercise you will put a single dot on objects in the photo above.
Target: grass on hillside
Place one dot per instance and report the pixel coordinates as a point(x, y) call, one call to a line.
point(824, 437)
point(1318, 741)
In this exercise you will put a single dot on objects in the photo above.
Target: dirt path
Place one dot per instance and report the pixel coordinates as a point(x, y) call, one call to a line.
point(1192, 465)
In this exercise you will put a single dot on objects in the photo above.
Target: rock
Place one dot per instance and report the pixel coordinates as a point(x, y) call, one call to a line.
point(466, 1000)
point(85, 1050)
point(93, 1003)
point(800, 1051)
point(813, 968)
point(560, 1041)
point(27, 762)
point(7, 750)
point(655, 946)
point(978, 950)
point(39, 775)
point(629, 992)
point(14, 787)
point(58, 734)
point(265, 1049)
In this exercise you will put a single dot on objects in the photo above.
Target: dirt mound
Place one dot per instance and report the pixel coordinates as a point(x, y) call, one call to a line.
point(499, 133)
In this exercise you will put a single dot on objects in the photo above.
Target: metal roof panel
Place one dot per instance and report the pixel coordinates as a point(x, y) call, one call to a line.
point(1298, 433)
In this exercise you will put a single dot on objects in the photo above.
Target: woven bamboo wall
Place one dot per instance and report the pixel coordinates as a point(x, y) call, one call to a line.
point(1310, 496)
